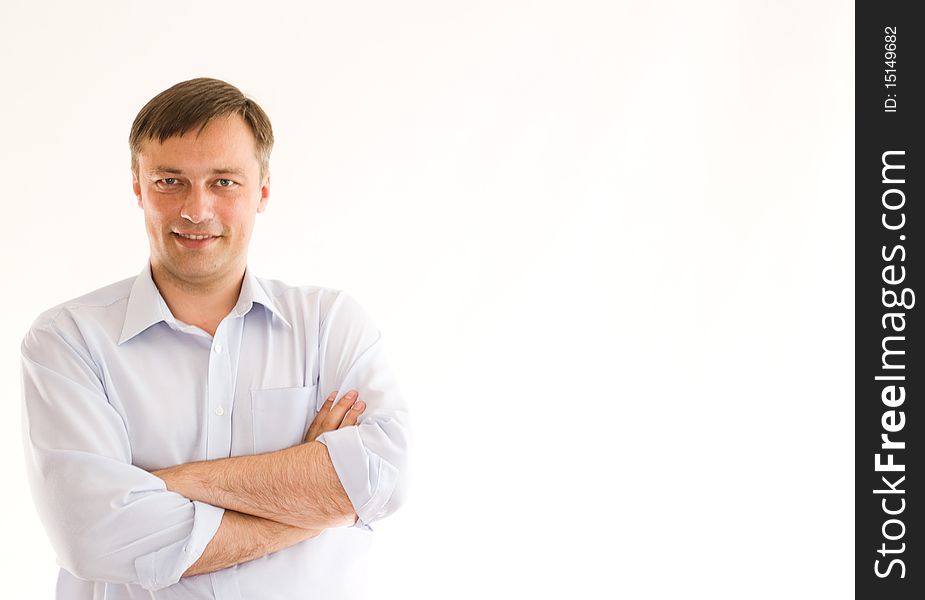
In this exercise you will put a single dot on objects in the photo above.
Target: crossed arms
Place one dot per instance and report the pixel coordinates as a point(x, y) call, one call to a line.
point(109, 520)
point(271, 500)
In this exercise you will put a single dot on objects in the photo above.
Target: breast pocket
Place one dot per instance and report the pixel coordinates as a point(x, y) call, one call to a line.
point(281, 416)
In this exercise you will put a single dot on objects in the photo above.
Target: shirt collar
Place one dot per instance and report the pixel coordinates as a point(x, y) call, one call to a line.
point(252, 291)
point(147, 307)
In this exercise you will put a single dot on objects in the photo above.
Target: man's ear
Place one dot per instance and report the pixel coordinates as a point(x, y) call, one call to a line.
point(136, 187)
point(264, 193)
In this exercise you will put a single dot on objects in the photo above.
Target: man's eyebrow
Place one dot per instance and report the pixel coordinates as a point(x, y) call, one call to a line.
point(171, 170)
point(227, 171)
point(176, 171)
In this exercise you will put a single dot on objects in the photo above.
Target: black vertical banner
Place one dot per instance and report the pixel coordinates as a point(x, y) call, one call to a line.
point(890, 380)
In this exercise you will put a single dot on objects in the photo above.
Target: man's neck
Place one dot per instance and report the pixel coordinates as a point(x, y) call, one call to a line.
point(203, 304)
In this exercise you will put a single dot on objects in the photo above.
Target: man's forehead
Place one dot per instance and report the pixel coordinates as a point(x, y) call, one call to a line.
point(184, 158)
point(218, 133)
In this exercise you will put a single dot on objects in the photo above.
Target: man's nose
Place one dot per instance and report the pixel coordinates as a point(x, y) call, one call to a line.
point(197, 206)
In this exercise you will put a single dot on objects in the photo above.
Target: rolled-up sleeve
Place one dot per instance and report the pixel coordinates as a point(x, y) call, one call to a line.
point(371, 459)
point(107, 519)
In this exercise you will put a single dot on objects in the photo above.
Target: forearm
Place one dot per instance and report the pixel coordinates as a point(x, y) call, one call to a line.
point(242, 537)
point(296, 486)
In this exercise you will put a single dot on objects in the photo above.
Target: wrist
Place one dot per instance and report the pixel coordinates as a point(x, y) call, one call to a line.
point(178, 479)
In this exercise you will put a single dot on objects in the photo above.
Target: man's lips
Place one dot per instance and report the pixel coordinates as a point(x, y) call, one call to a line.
point(193, 234)
point(194, 240)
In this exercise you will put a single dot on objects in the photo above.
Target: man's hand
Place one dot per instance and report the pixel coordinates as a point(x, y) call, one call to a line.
point(343, 413)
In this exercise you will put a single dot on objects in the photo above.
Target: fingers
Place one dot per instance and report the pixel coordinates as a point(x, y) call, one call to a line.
point(334, 415)
point(353, 414)
point(340, 410)
point(315, 429)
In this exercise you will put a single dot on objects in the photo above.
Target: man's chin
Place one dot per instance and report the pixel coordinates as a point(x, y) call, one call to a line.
point(194, 271)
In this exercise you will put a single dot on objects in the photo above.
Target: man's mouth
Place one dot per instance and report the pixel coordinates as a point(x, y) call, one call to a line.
point(194, 240)
point(194, 236)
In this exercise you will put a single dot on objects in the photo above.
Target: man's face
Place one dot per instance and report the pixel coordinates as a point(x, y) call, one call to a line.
point(201, 183)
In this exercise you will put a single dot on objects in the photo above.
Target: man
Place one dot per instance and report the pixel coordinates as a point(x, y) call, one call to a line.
point(196, 431)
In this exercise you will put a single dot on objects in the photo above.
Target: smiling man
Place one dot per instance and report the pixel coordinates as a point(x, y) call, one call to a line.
point(197, 431)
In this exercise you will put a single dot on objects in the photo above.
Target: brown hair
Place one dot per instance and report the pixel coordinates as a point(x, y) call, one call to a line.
point(195, 102)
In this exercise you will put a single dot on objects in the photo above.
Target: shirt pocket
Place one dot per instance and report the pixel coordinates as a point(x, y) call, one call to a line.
point(281, 416)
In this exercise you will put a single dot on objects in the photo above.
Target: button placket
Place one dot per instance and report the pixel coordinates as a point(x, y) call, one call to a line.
point(221, 385)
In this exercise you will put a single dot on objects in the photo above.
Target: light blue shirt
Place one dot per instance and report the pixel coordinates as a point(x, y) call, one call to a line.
point(114, 387)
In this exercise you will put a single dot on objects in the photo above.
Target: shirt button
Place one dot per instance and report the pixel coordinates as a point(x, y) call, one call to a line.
point(219, 411)
point(218, 348)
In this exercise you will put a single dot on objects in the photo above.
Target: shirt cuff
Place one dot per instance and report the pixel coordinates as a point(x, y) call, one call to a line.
point(368, 479)
point(361, 525)
point(166, 566)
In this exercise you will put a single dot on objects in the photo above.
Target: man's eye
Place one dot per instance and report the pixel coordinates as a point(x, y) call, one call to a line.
point(225, 183)
point(169, 181)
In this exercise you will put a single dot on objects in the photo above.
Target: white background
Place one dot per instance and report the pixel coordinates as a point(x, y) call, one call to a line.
point(609, 246)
